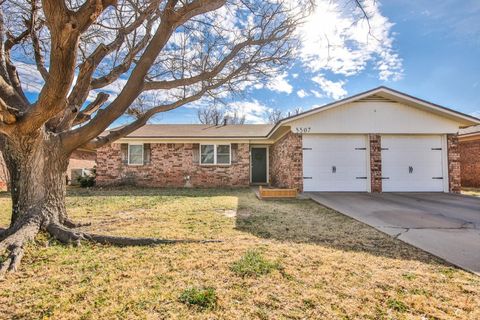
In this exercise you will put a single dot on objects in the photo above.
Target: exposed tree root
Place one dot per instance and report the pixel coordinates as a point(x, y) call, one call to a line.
point(72, 224)
point(66, 235)
point(14, 239)
point(13, 245)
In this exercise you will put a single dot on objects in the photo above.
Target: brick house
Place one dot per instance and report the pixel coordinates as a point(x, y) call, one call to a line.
point(381, 140)
point(469, 140)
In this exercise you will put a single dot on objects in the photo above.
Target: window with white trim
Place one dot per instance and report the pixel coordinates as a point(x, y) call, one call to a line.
point(135, 154)
point(215, 154)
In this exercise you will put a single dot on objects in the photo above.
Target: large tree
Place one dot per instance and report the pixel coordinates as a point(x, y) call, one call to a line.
point(158, 55)
point(168, 52)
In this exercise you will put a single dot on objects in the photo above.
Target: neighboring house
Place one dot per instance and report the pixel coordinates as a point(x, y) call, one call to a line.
point(80, 161)
point(379, 140)
point(470, 156)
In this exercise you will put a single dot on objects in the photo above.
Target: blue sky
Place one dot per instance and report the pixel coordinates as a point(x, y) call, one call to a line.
point(427, 49)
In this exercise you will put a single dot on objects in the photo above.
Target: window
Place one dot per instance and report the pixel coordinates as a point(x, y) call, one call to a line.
point(135, 154)
point(215, 154)
point(207, 155)
point(223, 154)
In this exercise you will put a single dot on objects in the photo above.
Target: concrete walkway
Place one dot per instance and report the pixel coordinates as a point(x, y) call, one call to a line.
point(445, 225)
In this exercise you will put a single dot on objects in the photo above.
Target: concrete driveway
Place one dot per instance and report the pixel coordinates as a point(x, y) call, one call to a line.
point(445, 225)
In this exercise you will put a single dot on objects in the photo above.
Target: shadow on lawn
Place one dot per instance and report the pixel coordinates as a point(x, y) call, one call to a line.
point(296, 221)
point(303, 221)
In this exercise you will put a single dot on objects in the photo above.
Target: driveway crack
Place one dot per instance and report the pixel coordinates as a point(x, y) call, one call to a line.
point(400, 233)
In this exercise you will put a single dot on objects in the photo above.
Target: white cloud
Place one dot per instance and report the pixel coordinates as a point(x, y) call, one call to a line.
point(253, 110)
point(316, 94)
point(302, 93)
point(337, 38)
point(332, 89)
point(280, 84)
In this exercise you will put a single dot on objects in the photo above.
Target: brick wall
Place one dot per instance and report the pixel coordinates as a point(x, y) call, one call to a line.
point(470, 163)
point(170, 165)
point(454, 170)
point(376, 162)
point(286, 159)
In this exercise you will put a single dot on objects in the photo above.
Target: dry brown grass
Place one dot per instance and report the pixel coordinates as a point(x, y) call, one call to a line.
point(471, 191)
point(332, 266)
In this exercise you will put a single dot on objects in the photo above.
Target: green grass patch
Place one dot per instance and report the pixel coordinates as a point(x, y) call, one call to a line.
point(397, 305)
point(202, 298)
point(253, 264)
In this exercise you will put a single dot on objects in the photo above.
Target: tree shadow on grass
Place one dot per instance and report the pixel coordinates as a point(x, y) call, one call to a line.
point(304, 221)
point(139, 191)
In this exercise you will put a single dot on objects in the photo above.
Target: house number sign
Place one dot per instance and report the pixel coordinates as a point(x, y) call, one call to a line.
point(302, 129)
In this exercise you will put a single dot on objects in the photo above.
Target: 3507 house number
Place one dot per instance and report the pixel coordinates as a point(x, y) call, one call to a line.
point(302, 129)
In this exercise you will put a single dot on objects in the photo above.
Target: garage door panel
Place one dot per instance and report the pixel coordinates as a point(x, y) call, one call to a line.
point(333, 162)
point(412, 163)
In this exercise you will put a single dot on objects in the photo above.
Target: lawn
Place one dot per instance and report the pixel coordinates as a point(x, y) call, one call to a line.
point(471, 191)
point(278, 260)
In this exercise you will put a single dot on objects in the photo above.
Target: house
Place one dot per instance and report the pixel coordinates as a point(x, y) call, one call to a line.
point(80, 160)
point(381, 140)
point(469, 139)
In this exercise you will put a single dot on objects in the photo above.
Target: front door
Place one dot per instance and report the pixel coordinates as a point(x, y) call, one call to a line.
point(259, 165)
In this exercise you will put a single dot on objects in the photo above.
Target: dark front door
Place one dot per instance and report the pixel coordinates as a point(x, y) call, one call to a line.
point(259, 165)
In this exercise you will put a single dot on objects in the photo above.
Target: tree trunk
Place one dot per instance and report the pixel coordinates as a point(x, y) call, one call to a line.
point(37, 168)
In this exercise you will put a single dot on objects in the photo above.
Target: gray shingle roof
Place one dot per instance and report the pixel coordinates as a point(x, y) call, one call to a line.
point(201, 131)
point(470, 130)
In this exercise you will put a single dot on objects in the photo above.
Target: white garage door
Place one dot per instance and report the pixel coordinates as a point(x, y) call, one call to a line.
point(412, 163)
point(335, 163)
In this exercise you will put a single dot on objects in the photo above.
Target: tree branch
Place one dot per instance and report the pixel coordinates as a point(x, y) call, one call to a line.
point(169, 22)
point(142, 119)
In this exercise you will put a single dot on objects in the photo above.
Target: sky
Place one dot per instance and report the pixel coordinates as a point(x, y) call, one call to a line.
point(431, 51)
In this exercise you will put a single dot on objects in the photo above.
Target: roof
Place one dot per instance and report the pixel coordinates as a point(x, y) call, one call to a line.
point(389, 94)
point(201, 131)
point(473, 130)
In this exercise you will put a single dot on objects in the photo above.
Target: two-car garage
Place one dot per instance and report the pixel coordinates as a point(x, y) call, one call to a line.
point(380, 141)
point(341, 163)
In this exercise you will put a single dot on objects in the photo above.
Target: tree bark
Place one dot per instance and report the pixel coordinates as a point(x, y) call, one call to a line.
point(37, 167)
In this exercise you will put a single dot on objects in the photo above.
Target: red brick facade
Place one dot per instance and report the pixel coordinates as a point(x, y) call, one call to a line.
point(470, 162)
point(375, 162)
point(286, 158)
point(172, 165)
point(454, 169)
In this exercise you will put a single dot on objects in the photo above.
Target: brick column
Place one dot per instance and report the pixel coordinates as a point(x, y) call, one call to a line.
point(454, 171)
point(375, 162)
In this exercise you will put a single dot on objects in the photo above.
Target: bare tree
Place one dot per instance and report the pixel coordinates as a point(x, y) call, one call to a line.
point(273, 116)
point(181, 50)
point(216, 116)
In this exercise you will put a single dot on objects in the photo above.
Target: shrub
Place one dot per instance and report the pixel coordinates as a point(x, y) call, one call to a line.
point(203, 298)
point(253, 264)
point(87, 181)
